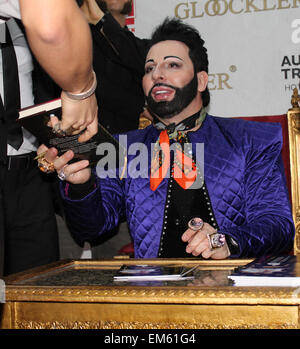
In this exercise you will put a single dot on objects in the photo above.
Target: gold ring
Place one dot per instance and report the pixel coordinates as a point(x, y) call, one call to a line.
point(44, 165)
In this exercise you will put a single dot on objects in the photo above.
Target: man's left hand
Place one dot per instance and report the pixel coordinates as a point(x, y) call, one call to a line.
point(198, 243)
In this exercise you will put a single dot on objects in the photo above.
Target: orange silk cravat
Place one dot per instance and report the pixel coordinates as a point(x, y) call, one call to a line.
point(184, 170)
point(161, 161)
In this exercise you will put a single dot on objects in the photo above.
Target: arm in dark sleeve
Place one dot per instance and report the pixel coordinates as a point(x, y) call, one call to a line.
point(94, 208)
point(44, 88)
point(125, 47)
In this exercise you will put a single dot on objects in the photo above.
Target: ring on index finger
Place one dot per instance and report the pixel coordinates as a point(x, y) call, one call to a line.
point(60, 132)
point(196, 223)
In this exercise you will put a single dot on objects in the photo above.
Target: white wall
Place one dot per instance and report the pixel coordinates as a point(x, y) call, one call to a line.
point(253, 48)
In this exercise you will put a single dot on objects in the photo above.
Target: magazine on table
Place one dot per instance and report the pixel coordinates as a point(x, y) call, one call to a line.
point(145, 272)
point(269, 271)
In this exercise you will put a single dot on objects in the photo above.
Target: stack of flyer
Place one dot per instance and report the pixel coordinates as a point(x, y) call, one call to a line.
point(281, 271)
point(144, 272)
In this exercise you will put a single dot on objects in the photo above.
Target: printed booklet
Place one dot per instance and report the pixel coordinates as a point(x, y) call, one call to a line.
point(269, 271)
point(36, 120)
point(145, 272)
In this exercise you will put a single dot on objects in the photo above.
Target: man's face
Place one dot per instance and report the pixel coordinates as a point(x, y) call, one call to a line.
point(170, 83)
point(119, 6)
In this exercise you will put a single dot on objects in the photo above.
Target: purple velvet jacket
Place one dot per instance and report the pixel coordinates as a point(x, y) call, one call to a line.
point(244, 175)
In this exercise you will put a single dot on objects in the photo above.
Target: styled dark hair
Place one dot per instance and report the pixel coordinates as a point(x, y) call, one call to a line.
point(125, 11)
point(175, 29)
point(79, 2)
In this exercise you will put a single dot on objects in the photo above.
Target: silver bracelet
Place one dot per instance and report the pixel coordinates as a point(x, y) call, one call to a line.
point(86, 94)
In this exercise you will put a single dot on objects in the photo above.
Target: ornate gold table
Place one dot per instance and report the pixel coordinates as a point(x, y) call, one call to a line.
point(82, 294)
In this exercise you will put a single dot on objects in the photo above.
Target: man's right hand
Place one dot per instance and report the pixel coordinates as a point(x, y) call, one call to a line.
point(76, 173)
point(79, 115)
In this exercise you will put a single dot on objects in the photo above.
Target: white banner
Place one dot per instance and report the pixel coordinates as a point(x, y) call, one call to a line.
point(253, 48)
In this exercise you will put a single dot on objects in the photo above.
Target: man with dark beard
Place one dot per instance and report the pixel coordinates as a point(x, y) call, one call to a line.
point(118, 61)
point(235, 205)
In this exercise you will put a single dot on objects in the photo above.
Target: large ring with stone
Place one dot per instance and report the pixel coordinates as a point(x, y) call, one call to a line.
point(61, 175)
point(57, 130)
point(216, 240)
point(196, 223)
point(45, 166)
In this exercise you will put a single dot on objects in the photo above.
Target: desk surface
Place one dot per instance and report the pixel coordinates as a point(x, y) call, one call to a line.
point(82, 294)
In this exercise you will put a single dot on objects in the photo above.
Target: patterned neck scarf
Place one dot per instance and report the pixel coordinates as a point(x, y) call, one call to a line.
point(184, 169)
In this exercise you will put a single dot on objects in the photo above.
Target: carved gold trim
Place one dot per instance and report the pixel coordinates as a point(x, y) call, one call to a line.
point(144, 122)
point(141, 325)
point(294, 145)
point(158, 295)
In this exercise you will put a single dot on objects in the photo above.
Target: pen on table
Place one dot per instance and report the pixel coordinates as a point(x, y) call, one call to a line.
point(189, 270)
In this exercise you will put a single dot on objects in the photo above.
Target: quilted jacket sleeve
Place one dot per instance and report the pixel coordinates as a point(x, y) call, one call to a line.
point(268, 228)
point(97, 213)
